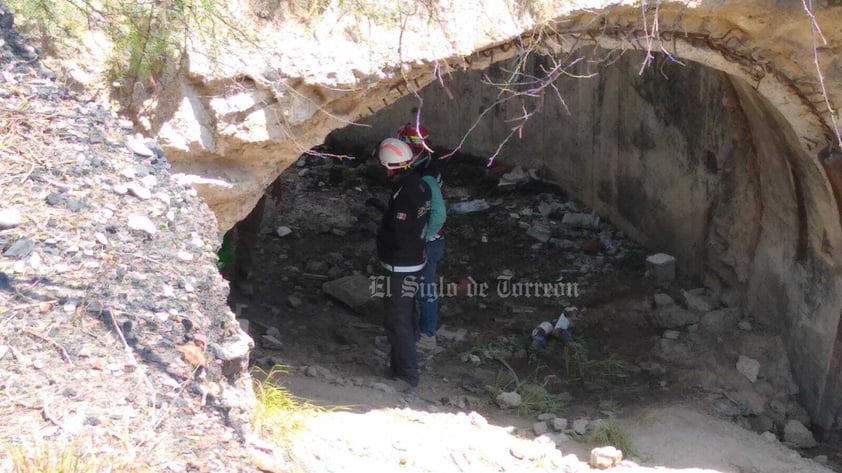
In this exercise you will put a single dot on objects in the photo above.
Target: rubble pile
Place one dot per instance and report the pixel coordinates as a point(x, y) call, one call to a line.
point(518, 252)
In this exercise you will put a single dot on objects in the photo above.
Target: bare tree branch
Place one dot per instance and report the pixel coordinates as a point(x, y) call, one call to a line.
point(816, 34)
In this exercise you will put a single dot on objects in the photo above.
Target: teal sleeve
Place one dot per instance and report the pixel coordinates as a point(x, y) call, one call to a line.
point(438, 212)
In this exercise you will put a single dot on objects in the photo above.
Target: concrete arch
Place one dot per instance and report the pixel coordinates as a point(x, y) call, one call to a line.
point(766, 50)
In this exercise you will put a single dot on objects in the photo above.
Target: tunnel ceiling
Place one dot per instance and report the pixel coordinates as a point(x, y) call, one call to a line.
point(240, 121)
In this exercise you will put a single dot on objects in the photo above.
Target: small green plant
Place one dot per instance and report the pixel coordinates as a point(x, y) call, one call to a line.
point(608, 433)
point(581, 368)
point(490, 349)
point(534, 398)
point(53, 23)
point(278, 413)
point(146, 37)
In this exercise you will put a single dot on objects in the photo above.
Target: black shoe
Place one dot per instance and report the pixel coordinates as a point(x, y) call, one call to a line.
point(410, 395)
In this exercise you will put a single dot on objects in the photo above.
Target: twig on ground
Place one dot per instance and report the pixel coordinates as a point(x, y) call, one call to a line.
point(29, 173)
point(56, 344)
point(47, 416)
point(25, 306)
point(456, 462)
point(165, 413)
point(144, 258)
point(511, 370)
point(56, 183)
point(25, 405)
point(133, 361)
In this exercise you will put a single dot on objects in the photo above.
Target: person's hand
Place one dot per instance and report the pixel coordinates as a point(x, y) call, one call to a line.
point(376, 203)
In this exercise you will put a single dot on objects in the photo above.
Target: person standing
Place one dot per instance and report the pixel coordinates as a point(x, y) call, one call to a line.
point(401, 250)
point(417, 137)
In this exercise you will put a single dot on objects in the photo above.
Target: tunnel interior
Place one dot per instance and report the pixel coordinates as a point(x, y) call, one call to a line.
point(613, 165)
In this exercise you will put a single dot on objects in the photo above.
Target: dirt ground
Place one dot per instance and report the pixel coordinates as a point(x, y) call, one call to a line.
point(676, 395)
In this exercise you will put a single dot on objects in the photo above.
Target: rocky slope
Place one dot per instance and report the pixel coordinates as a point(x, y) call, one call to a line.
point(116, 344)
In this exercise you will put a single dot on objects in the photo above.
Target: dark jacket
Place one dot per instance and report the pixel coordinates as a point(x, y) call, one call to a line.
point(400, 239)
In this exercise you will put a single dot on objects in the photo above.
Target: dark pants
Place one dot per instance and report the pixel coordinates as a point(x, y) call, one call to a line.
point(400, 325)
point(429, 316)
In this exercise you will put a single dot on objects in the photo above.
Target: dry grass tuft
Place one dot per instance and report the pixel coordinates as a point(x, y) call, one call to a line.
point(278, 413)
point(41, 456)
point(610, 434)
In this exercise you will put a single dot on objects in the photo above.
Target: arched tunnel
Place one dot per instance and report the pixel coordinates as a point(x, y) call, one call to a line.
point(682, 159)
point(706, 153)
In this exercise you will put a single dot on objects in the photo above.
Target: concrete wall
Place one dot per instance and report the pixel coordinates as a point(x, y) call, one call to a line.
point(686, 160)
point(625, 144)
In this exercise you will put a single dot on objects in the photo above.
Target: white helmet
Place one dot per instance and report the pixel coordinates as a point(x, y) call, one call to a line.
point(395, 154)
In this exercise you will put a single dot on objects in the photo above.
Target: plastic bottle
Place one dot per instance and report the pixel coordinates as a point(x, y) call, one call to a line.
point(563, 323)
point(561, 330)
point(540, 334)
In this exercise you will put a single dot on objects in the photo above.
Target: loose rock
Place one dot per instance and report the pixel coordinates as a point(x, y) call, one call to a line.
point(142, 223)
point(720, 321)
point(605, 457)
point(271, 343)
point(559, 424)
point(581, 220)
point(769, 437)
point(294, 301)
point(749, 401)
point(697, 301)
point(457, 335)
point(798, 435)
point(354, 291)
point(539, 231)
point(509, 400)
point(663, 300)
point(20, 248)
point(672, 334)
point(139, 191)
point(673, 316)
point(10, 218)
point(136, 145)
point(580, 426)
point(749, 367)
point(316, 371)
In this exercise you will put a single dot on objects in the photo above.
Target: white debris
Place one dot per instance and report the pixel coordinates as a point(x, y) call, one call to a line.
point(142, 223)
point(662, 267)
point(469, 206)
point(749, 367)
